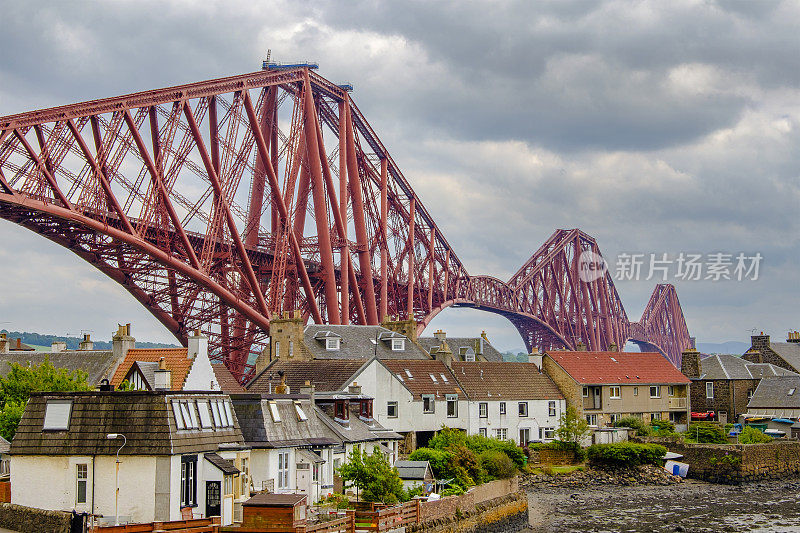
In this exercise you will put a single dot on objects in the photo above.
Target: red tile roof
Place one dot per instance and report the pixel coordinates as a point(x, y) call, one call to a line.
point(176, 359)
point(227, 382)
point(504, 381)
point(621, 368)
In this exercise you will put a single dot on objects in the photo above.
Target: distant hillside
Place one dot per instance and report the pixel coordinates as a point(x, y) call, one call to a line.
point(38, 339)
point(731, 347)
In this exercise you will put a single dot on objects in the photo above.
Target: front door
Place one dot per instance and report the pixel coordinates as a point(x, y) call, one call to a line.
point(213, 498)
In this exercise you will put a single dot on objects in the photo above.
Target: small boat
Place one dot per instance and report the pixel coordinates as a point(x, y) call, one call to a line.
point(757, 419)
point(774, 432)
point(783, 420)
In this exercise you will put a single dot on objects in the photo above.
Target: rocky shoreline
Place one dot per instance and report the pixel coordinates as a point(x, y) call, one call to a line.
point(591, 476)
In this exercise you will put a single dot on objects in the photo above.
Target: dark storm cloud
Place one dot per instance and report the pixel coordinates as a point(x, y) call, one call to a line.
point(654, 126)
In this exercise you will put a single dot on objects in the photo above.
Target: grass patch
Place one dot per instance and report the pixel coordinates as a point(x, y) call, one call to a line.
point(567, 469)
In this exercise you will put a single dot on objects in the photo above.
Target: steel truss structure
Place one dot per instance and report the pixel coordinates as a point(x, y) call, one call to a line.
point(222, 203)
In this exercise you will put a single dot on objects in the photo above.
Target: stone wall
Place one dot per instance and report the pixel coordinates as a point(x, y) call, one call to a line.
point(553, 457)
point(32, 520)
point(447, 506)
point(737, 463)
point(729, 396)
point(505, 514)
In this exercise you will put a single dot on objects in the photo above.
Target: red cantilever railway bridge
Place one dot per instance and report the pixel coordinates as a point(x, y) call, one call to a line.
point(221, 203)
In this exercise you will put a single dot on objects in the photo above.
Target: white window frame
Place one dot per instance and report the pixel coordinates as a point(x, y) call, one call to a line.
point(205, 417)
point(501, 433)
point(522, 409)
point(452, 401)
point(283, 470)
point(636, 391)
point(483, 410)
point(389, 406)
point(591, 420)
point(549, 433)
point(551, 408)
point(615, 392)
point(502, 408)
point(524, 436)
point(81, 479)
point(332, 344)
point(614, 417)
point(482, 432)
point(58, 418)
point(657, 389)
point(586, 392)
point(670, 390)
point(398, 345)
point(709, 390)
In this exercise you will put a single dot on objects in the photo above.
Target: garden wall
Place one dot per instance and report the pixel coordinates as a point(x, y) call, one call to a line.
point(737, 463)
point(505, 514)
point(446, 507)
point(32, 520)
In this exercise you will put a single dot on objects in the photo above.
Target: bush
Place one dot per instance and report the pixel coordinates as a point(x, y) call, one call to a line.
point(634, 422)
point(497, 464)
point(663, 427)
point(707, 433)
point(453, 490)
point(440, 460)
point(625, 454)
point(751, 435)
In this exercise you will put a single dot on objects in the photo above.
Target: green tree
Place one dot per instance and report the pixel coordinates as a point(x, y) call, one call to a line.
point(572, 427)
point(21, 381)
point(374, 478)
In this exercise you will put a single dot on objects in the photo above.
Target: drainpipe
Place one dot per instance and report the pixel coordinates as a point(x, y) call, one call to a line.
point(92, 517)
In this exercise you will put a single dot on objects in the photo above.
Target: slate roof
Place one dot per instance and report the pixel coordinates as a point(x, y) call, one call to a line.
point(358, 342)
point(97, 364)
point(504, 381)
point(4, 445)
point(144, 417)
point(774, 393)
point(356, 429)
point(261, 431)
point(176, 360)
point(427, 377)
point(225, 466)
point(722, 366)
point(326, 374)
point(459, 345)
point(412, 469)
point(227, 382)
point(618, 368)
point(275, 500)
point(789, 352)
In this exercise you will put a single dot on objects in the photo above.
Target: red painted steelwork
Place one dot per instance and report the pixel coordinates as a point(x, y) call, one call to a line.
point(229, 218)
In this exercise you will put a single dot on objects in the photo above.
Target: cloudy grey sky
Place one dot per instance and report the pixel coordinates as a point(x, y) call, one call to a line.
point(656, 127)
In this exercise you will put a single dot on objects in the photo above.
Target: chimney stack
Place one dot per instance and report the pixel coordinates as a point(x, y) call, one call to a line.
point(793, 337)
point(19, 343)
point(308, 389)
point(581, 347)
point(163, 376)
point(283, 388)
point(440, 335)
point(86, 344)
point(3, 343)
point(197, 345)
point(355, 388)
point(536, 358)
point(58, 346)
point(690, 363)
point(613, 347)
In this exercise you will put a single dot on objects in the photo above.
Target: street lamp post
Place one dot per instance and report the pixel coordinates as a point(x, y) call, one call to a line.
point(112, 436)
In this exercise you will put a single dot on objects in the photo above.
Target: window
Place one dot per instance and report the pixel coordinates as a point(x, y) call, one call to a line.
point(615, 393)
point(655, 391)
point(501, 433)
point(709, 389)
point(291, 348)
point(205, 416)
point(332, 344)
point(391, 409)
point(614, 417)
point(791, 392)
point(228, 485)
point(636, 391)
point(591, 420)
point(750, 394)
point(502, 408)
point(674, 417)
point(551, 408)
point(315, 472)
point(483, 410)
point(549, 433)
point(340, 410)
point(176, 411)
point(524, 436)
point(444, 378)
point(433, 378)
point(277, 348)
point(189, 481)
point(244, 478)
point(273, 411)
point(283, 470)
point(428, 403)
point(56, 415)
point(482, 432)
point(655, 416)
point(81, 475)
point(452, 405)
point(586, 392)
point(523, 408)
point(301, 415)
point(671, 390)
point(398, 345)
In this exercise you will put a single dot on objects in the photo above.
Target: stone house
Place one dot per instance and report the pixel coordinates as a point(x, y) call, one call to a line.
point(460, 348)
point(724, 384)
point(605, 386)
point(510, 400)
point(783, 354)
point(778, 400)
point(183, 446)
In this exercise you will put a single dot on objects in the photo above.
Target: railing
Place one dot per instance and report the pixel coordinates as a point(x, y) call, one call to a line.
point(199, 525)
point(345, 524)
point(383, 520)
point(677, 403)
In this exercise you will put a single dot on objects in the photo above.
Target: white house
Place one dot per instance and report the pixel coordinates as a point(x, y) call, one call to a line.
point(510, 400)
point(181, 445)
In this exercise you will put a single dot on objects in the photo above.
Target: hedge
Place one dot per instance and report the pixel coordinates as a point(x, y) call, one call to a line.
point(625, 454)
point(707, 433)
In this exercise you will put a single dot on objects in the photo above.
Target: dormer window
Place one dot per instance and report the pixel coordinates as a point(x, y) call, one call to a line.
point(332, 343)
point(398, 345)
point(340, 410)
point(365, 409)
point(57, 414)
